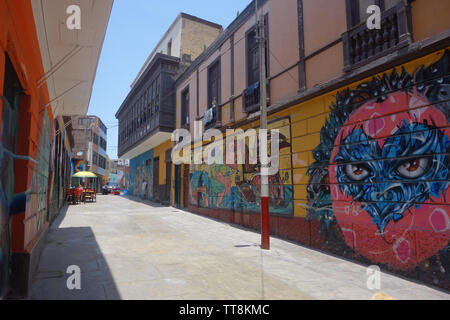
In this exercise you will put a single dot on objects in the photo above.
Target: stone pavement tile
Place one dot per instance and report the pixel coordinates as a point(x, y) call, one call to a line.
point(128, 270)
point(165, 259)
point(187, 269)
point(160, 289)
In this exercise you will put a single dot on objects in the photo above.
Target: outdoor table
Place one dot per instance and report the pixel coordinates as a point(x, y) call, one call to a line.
point(89, 194)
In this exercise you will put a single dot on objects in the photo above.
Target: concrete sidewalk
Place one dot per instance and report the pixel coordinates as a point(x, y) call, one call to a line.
point(128, 249)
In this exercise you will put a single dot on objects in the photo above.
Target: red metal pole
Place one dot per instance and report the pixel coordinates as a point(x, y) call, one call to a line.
point(265, 225)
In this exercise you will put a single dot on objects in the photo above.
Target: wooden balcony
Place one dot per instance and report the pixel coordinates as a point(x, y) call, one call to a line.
point(362, 45)
point(146, 129)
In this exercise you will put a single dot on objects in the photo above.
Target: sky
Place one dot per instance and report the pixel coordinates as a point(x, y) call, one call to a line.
point(135, 27)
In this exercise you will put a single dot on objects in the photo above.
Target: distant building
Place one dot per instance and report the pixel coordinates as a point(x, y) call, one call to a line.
point(147, 115)
point(89, 151)
point(119, 172)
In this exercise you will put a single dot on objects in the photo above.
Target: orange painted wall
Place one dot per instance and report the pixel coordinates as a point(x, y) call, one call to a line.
point(19, 39)
point(429, 17)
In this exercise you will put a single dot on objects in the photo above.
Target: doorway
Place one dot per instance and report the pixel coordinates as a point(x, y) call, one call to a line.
point(177, 186)
point(168, 177)
point(156, 191)
point(186, 186)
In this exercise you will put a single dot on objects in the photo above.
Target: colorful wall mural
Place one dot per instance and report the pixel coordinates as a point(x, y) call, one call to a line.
point(25, 179)
point(379, 183)
point(9, 202)
point(33, 201)
point(77, 165)
point(120, 178)
point(37, 195)
point(141, 176)
point(237, 187)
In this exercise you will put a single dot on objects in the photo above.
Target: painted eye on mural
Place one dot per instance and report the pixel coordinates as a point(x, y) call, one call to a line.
point(357, 172)
point(413, 168)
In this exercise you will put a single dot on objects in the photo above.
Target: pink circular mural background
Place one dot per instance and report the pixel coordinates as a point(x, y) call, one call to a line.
point(422, 232)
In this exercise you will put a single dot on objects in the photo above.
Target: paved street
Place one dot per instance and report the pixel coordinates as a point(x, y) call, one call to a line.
point(127, 249)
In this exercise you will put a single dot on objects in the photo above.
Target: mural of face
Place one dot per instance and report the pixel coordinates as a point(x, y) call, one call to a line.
point(389, 175)
point(379, 186)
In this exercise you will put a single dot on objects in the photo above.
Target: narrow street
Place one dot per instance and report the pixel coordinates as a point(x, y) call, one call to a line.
point(127, 249)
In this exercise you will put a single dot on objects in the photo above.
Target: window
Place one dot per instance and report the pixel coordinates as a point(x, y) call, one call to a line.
point(214, 84)
point(252, 58)
point(84, 122)
point(158, 89)
point(185, 107)
point(102, 143)
point(95, 139)
point(253, 73)
point(152, 104)
point(102, 126)
point(357, 9)
point(101, 162)
point(95, 158)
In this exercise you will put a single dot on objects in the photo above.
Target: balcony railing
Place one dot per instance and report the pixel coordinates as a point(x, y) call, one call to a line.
point(251, 95)
point(251, 98)
point(362, 45)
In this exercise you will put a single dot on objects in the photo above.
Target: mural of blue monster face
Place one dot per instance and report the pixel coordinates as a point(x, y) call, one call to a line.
point(380, 185)
point(411, 167)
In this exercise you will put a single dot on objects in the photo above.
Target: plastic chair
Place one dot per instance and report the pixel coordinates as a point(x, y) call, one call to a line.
point(78, 195)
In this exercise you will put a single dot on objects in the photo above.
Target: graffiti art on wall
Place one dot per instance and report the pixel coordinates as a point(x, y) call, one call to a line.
point(10, 203)
point(380, 184)
point(37, 196)
point(238, 187)
point(141, 175)
point(77, 165)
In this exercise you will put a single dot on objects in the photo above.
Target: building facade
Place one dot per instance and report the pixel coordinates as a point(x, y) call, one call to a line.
point(35, 143)
point(90, 145)
point(119, 172)
point(147, 115)
point(363, 117)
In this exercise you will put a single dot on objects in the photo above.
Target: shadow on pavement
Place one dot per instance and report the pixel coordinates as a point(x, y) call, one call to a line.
point(72, 247)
